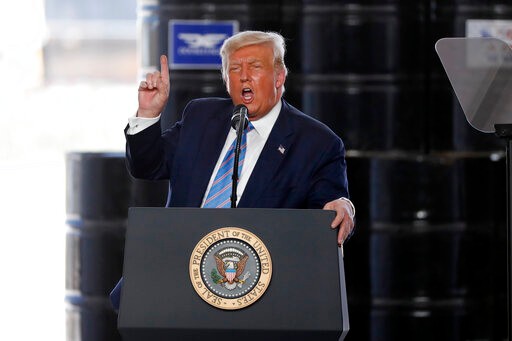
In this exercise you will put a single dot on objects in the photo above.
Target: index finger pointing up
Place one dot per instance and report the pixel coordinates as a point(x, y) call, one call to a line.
point(164, 68)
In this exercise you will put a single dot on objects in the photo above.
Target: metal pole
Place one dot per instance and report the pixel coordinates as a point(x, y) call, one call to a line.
point(505, 131)
point(509, 236)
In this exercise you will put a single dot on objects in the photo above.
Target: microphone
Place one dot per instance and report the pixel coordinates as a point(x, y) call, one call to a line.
point(239, 122)
point(240, 114)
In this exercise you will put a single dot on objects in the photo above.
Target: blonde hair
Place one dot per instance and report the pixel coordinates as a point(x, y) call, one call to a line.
point(247, 38)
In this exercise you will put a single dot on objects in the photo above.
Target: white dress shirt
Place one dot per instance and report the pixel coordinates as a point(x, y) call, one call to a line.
point(256, 140)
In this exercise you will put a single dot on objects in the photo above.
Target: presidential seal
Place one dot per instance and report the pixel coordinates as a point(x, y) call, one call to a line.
point(230, 268)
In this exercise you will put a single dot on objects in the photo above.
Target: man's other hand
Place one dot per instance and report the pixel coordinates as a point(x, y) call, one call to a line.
point(344, 218)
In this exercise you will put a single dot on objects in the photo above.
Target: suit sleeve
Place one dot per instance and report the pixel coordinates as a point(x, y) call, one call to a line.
point(329, 181)
point(149, 153)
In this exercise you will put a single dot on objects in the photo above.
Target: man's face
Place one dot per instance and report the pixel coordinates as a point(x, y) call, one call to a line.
point(253, 80)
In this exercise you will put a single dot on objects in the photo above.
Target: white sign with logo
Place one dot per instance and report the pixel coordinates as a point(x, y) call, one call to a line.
point(195, 44)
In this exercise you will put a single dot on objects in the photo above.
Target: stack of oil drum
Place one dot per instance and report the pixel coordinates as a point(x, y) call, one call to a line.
point(428, 261)
point(99, 192)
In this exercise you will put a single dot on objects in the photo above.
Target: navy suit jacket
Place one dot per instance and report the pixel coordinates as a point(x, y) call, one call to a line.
point(302, 164)
point(309, 173)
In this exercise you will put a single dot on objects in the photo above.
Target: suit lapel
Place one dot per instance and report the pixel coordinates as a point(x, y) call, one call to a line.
point(213, 138)
point(271, 157)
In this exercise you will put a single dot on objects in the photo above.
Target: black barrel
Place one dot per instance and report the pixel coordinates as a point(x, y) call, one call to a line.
point(99, 192)
point(426, 261)
point(363, 71)
point(448, 128)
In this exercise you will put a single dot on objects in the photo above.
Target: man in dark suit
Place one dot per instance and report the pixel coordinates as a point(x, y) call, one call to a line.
point(291, 160)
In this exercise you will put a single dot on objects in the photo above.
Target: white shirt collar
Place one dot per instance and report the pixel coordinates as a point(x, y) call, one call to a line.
point(264, 125)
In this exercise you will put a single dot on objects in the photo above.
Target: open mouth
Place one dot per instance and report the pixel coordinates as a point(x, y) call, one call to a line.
point(247, 95)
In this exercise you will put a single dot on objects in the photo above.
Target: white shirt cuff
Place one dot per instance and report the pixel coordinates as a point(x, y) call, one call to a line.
point(353, 213)
point(138, 124)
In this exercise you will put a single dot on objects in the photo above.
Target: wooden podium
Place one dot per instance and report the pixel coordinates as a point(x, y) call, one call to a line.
point(165, 298)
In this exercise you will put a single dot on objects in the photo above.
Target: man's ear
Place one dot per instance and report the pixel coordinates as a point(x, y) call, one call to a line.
point(280, 78)
point(226, 83)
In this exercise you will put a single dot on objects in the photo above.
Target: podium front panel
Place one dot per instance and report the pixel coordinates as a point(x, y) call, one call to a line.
point(305, 298)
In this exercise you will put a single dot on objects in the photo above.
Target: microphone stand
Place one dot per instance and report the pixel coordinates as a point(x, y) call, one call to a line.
point(240, 127)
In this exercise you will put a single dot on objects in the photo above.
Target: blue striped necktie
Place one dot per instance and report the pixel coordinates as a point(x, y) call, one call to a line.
point(219, 195)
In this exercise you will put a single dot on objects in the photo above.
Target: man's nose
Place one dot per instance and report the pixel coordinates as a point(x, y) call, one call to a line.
point(244, 74)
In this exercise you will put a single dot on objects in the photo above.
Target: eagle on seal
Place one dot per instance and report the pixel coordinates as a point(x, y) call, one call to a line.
point(230, 270)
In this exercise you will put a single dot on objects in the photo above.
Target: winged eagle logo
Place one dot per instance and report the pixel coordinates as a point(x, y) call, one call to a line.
point(230, 265)
point(196, 40)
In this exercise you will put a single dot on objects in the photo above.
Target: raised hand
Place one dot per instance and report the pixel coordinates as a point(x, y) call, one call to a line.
point(154, 91)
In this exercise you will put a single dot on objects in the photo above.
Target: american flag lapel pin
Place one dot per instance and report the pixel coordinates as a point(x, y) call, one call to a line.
point(281, 149)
